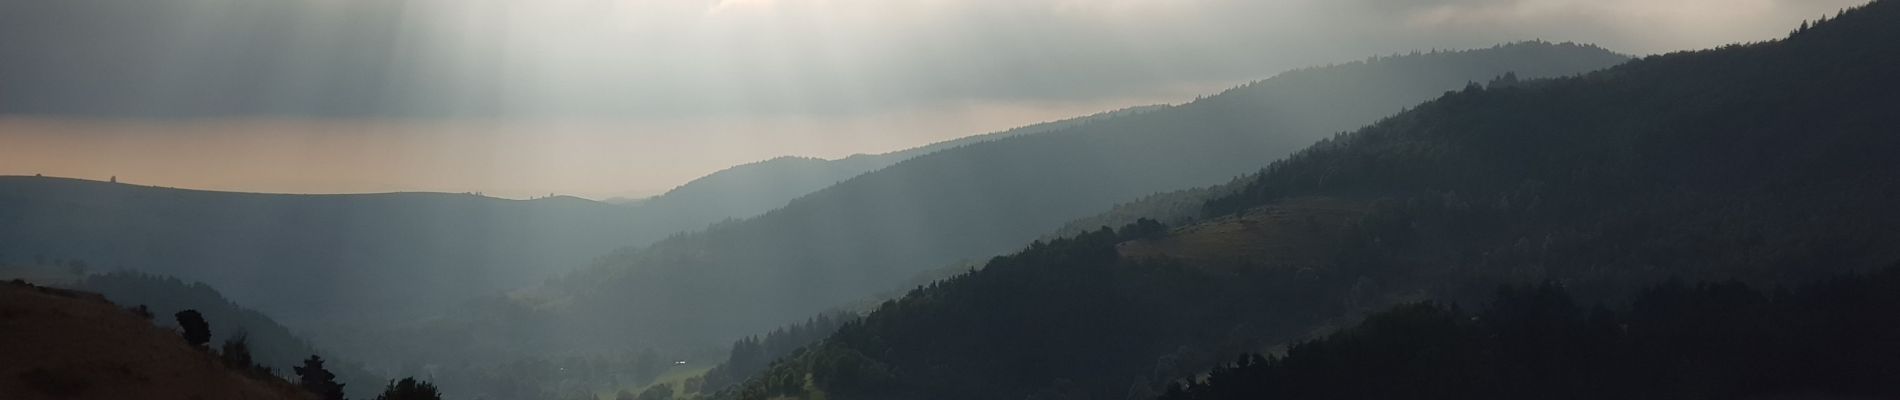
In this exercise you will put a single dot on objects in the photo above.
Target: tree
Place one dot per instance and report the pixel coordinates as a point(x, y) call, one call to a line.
point(236, 353)
point(410, 389)
point(314, 378)
point(197, 331)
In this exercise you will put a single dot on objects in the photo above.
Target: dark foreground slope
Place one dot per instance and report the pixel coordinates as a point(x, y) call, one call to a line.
point(309, 258)
point(1836, 339)
point(270, 343)
point(57, 344)
point(864, 235)
point(1768, 163)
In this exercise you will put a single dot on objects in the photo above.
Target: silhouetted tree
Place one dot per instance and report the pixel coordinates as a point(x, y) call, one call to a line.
point(236, 353)
point(410, 389)
point(270, 343)
point(197, 331)
point(1144, 229)
point(314, 378)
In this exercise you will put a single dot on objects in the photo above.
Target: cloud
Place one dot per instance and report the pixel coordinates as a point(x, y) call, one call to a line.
point(669, 58)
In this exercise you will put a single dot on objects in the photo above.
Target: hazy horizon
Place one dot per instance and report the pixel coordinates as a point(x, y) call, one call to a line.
point(586, 158)
point(632, 98)
point(949, 199)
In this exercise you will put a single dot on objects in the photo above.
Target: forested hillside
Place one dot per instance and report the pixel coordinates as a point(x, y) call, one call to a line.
point(751, 189)
point(865, 234)
point(1064, 319)
point(1833, 339)
point(1768, 163)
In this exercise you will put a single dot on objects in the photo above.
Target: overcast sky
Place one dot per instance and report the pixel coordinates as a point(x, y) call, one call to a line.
point(625, 97)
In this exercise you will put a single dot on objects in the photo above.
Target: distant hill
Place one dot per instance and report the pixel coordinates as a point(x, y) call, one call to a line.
point(751, 189)
point(271, 344)
point(309, 260)
point(402, 254)
point(864, 235)
point(60, 344)
point(1769, 164)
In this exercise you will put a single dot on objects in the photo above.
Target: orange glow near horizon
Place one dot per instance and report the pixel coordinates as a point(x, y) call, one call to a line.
point(513, 159)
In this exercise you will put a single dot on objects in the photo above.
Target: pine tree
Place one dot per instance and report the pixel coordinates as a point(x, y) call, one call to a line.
point(236, 353)
point(314, 378)
point(410, 389)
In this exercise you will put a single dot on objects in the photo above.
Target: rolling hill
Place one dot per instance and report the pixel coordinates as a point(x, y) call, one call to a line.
point(1766, 163)
point(310, 260)
point(408, 253)
point(61, 344)
point(270, 343)
point(866, 234)
point(751, 189)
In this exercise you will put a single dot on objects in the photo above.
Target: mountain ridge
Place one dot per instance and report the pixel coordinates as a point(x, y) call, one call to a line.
point(236, 240)
point(1669, 166)
point(746, 190)
point(929, 211)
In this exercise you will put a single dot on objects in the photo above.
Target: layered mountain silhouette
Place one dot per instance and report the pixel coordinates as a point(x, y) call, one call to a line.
point(1766, 163)
point(866, 234)
point(401, 254)
point(751, 189)
point(309, 260)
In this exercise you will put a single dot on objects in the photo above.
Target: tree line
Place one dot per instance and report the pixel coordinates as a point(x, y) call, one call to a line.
point(1835, 338)
point(312, 376)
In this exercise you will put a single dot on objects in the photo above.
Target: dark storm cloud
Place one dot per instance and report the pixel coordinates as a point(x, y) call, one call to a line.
point(652, 58)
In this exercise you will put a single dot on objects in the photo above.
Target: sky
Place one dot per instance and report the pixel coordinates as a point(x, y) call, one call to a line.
point(627, 98)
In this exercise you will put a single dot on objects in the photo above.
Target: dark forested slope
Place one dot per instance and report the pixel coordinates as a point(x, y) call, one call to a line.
point(1767, 163)
point(1835, 339)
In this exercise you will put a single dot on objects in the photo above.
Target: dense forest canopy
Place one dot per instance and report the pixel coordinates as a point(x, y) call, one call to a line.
point(1829, 339)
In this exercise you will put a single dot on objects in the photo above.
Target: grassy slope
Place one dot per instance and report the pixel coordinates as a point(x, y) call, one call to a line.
point(76, 345)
